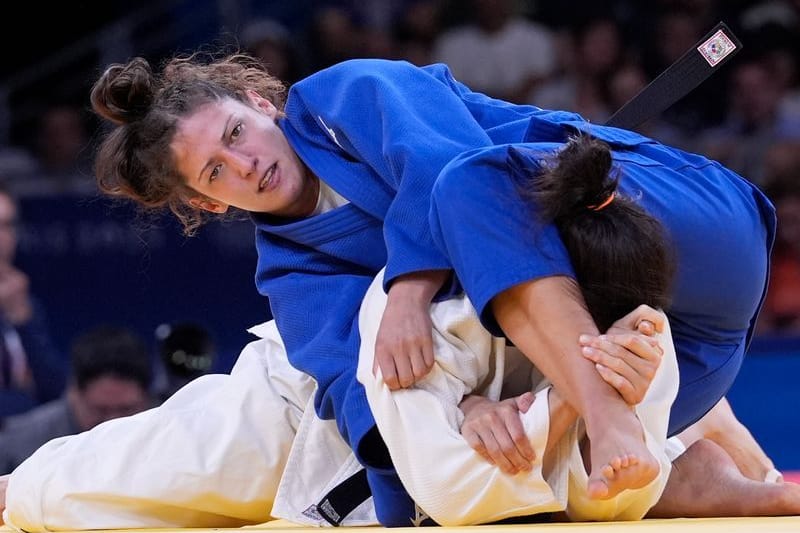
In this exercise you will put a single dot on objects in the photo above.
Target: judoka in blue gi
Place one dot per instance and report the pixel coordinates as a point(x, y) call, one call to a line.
point(339, 182)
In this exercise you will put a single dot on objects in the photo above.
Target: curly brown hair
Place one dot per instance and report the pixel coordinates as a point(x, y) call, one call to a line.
point(134, 159)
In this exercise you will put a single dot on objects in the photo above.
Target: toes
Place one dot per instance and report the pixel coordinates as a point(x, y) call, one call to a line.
point(598, 489)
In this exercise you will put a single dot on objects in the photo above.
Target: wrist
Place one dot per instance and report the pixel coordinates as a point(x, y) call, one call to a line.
point(419, 287)
point(469, 402)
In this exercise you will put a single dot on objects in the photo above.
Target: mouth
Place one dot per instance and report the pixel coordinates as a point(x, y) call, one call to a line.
point(266, 180)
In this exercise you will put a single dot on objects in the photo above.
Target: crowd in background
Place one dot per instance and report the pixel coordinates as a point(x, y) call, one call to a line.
point(585, 56)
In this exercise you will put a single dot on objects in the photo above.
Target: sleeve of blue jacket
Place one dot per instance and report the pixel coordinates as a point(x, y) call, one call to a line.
point(480, 220)
point(406, 123)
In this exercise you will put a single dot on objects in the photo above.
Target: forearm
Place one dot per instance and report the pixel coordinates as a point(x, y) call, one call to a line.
point(544, 318)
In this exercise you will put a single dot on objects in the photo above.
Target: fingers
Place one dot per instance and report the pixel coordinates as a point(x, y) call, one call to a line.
point(400, 370)
point(645, 327)
point(627, 362)
point(632, 320)
point(652, 317)
point(524, 401)
point(628, 388)
point(421, 356)
point(498, 436)
point(396, 370)
point(403, 350)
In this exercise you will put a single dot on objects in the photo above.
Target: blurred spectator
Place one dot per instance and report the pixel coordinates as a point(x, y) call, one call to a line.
point(111, 373)
point(625, 83)
point(62, 154)
point(415, 30)
point(334, 35)
point(594, 51)
point(676, 28)
point(756, 120)
point(768, 12)
point(498, 51)
point(186, 351)
point(31, 370)
point(781, 312)
point(271, 42)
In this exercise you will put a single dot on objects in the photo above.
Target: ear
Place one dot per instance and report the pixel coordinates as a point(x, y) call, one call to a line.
point(207, 204)
point(262, 103)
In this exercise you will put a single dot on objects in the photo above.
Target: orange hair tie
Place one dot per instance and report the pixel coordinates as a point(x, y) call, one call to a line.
point(605, 203)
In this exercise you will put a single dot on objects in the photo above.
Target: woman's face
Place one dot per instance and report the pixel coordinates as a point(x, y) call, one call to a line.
point(234, 154)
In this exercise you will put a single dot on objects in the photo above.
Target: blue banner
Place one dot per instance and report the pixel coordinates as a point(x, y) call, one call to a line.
point(93, 260)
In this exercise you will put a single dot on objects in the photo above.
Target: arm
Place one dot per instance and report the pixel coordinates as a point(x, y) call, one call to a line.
point(404, 348)
point(628, 356)
point(379, 119)
point(402, 140)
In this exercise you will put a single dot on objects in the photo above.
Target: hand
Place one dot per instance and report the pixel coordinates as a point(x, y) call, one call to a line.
point(15, 303)
point(3, 487)
point(494, 430)
point(404, 343)
point(643, 319)
point(628, 355)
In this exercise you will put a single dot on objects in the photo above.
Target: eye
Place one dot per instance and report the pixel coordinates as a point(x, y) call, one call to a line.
point(214, 172)
point(236, 131)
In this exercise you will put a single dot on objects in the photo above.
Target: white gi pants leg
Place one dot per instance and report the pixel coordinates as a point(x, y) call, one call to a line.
point(447, 479)
point(210, 456)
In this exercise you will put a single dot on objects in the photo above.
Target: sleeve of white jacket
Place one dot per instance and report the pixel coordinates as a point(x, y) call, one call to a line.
point(210, 456)
point(421, 425)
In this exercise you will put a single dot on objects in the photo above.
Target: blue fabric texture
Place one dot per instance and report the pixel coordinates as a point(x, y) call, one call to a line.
point(721, 227)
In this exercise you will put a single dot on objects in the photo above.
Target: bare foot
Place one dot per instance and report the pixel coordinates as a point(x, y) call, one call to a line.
point(619, 458)
point(705, 483)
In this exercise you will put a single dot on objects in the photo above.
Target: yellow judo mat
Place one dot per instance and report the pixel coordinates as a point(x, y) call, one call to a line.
point(674, 525)
point(678, 525)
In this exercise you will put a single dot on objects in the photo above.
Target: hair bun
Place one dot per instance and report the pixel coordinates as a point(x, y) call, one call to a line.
point(124, 92)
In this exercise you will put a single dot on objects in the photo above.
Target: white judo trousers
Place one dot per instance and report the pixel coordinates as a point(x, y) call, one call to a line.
point(212, 455)
point(445, 476)
point(237, 449)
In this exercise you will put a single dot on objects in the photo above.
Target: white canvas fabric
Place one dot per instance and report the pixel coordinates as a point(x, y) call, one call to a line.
point(211, 456)
point(421, 427)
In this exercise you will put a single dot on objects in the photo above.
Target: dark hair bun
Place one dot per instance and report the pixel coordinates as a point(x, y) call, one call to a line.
point(581, 175)
point(566, 185)
point(124, 93)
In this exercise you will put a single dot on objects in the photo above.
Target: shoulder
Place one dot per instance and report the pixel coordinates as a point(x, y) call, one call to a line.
point(364, 78)
point(362, 68)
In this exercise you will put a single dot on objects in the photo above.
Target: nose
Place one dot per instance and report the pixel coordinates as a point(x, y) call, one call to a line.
point(243, 164)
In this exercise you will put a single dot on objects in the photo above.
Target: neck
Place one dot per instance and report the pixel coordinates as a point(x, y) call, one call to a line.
point(311, 196)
